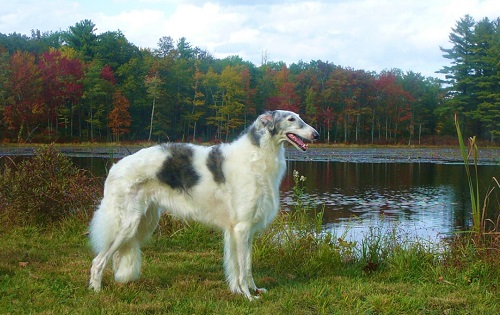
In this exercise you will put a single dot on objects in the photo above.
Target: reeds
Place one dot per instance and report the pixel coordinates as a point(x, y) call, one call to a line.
point(479, 218)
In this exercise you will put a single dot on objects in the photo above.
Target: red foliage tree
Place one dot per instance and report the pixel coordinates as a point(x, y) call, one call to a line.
point(328, 117)
point(24, 111)
point(61, 84)
point(108, 75)
point(395, 104)
point(287, 97)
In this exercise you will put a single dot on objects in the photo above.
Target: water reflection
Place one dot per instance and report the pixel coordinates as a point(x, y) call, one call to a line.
point(429, 200)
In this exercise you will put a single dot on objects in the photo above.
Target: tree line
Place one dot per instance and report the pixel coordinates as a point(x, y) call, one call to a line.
point(77, 85)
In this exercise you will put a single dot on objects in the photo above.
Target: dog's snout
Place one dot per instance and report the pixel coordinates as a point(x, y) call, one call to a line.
point(315, 135)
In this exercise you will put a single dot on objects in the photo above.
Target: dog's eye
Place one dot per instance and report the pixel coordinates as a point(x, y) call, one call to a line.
point(291, 119)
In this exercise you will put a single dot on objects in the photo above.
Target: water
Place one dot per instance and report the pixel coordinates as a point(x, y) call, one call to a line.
point(426, 200)
point(427, 197)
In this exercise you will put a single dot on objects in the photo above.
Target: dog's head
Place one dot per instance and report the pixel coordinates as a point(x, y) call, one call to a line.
point(282, 126)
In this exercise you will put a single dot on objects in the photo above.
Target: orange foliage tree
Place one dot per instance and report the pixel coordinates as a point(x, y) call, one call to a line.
point(119, 117)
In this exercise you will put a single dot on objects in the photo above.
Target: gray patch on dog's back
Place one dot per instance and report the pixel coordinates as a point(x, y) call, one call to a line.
point(177, 170)
point(214, 164)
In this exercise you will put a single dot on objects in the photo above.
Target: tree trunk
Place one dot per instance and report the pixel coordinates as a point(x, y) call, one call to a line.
point(419, 132)
point(328, 133)
point(91, 124)
point(357, 127)
point(71, 122)
point(373, 126)
point(152, 115)
point(386, 128)
point(345, 128)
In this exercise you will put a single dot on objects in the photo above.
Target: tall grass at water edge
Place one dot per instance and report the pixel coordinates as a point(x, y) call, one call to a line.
point(483, 228)
point(298, 240)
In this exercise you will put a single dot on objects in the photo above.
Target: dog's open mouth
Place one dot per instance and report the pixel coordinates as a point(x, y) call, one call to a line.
point(297, 141)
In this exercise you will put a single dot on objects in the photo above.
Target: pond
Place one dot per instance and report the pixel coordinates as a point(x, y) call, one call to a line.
point(427, 200)
point(423, 192)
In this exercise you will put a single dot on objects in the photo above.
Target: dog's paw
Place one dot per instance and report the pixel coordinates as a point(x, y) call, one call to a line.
point(260, 291)
point(258, 294)
point(95, 287)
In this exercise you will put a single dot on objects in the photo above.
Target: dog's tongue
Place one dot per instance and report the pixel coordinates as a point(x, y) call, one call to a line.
point(297, 141)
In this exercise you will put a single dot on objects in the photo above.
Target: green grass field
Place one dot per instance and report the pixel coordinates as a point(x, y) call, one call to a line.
point(45, 271)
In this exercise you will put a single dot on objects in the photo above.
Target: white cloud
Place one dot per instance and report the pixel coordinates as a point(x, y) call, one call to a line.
point(363, 34)
point(24, 16)
point(210, 23)
point(139, 26)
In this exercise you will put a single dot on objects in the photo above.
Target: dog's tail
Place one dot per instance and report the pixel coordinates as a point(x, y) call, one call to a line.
point(103, 228)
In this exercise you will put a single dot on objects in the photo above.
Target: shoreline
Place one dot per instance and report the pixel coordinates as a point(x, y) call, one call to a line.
point(348, 154)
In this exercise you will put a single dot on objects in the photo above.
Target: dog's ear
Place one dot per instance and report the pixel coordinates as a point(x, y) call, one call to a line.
point(267, 120)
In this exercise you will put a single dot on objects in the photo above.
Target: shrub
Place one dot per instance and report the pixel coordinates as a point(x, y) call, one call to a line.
point(45, 189)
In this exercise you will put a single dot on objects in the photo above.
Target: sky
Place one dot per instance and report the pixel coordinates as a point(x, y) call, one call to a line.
point(371, 35)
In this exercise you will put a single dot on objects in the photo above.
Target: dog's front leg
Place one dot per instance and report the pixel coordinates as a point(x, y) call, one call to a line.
point(251, 282)
point(242, 239)
point(231, 261)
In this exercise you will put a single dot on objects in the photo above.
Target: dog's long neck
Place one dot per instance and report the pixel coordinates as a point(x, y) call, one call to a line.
point(262, 140)
point(262, 150)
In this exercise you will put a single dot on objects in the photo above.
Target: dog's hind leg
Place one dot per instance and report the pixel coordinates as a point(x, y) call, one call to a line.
point(126, 233)
point(127, 259)
point(127, 262)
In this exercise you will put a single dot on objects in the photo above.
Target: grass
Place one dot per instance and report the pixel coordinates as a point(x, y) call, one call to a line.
point(44, 269)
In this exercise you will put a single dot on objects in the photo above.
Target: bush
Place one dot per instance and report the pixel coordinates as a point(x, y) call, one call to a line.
point(45, 189)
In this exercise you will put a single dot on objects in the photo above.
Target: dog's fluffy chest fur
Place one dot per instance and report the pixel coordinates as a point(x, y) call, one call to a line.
point(268, 171)
point(253, 177)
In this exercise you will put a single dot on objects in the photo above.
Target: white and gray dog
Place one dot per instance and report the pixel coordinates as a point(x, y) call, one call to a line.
point(232, 186)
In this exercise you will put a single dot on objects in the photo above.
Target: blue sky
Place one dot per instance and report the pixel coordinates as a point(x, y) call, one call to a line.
point(363, 34)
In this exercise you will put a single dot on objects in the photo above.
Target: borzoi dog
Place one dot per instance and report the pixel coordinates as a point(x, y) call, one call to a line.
point(233, 186)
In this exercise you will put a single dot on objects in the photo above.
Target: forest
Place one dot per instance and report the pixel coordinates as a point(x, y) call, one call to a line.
point(79, 86)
